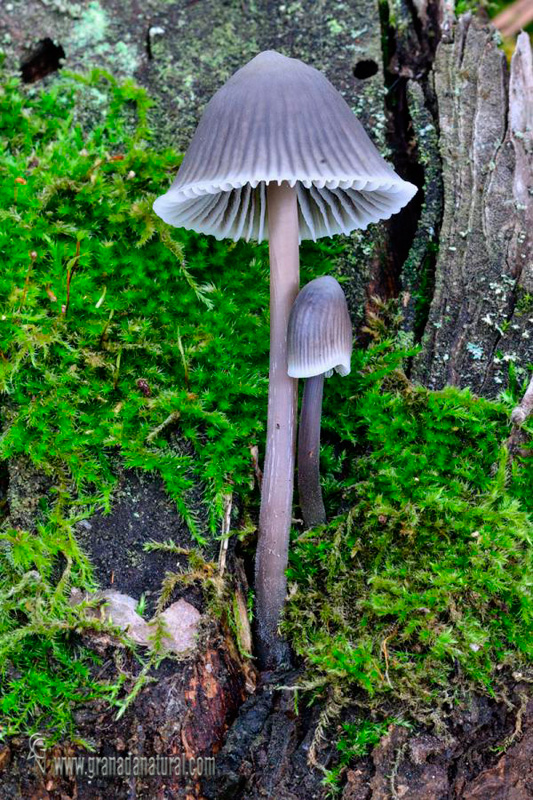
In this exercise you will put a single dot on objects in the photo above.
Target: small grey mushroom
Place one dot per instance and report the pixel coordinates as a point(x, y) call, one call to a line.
point(320, 341)
point(279, 155)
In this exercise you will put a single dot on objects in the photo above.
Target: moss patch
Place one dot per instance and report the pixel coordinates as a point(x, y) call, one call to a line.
point(423, 588)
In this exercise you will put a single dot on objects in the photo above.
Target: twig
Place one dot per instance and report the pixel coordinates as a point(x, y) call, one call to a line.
point(226, 525)
point(168, 421)
point(385, 652)
point(513, 18)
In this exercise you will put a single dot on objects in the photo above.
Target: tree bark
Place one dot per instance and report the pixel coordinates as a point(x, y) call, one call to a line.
point(480, 318)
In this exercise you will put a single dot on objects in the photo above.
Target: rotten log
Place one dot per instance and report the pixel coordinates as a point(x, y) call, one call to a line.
point(183, 712)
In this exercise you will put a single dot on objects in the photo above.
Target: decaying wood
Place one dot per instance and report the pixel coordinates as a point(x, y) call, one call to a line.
point(481, 313)
point(184, 711)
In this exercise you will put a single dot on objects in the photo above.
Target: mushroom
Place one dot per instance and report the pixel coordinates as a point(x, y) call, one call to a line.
point(319, 342)
point(279, 155)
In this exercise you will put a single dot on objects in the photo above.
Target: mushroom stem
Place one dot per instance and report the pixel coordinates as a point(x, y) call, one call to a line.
point(311, 502)
point(278, 476)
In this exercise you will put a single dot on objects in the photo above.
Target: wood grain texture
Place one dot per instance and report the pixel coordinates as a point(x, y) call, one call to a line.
point(481, 314)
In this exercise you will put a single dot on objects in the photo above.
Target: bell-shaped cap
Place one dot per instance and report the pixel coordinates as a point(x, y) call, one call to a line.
point(320, 331)
point(277, 119)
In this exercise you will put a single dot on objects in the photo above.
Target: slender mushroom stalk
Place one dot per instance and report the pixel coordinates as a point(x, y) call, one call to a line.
point(311, 502)
point(319, 341)
point(278, 475)
point(278, 154)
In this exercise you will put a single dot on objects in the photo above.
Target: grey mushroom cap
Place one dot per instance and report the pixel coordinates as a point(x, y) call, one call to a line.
point(320, 337)
point(277, 119)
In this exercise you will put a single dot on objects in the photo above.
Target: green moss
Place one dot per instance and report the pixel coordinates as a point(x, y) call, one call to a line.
point(524, 303)
point(45, 668)
point(422, 587)
point(110, 321)
point(356, 740)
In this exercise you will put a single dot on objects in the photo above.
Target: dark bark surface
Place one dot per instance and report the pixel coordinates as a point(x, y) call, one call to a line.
point(455, 120)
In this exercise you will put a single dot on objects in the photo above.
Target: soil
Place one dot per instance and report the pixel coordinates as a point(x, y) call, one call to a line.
point(142, 512)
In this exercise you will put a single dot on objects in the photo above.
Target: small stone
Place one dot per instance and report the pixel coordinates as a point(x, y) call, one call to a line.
point(181, 623)
point(120, 609)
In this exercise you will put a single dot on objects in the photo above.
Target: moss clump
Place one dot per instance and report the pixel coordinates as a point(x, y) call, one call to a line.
point(356, 740)
point(45, 669)
point(423, 587)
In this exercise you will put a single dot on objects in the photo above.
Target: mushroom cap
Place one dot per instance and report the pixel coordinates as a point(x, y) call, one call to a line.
point(320, 331)
point(277, 119)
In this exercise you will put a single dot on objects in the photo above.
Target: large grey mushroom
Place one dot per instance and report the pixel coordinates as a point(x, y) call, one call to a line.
point(279, 155)
point(320, 341)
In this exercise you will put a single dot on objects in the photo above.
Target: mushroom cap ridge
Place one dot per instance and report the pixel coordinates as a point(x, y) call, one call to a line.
point(320, 337)
point(277, 119)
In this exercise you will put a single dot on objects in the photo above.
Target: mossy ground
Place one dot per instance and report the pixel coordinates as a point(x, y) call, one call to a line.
point(111, 325)
point(431, 566)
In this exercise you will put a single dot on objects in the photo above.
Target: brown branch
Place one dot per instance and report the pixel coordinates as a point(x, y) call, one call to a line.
point(513, 18)
point(173, 417)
